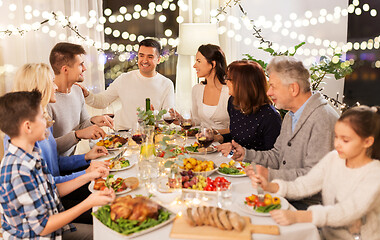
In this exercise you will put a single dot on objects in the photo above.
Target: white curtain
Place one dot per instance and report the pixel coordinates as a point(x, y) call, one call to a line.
point(35, 46)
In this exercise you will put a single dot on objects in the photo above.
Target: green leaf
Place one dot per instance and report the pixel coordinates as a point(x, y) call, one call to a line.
point(168, 164)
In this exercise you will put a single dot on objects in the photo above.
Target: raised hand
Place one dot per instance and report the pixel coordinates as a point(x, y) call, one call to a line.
point(239, 151)
point(99, 172)
point(256, 179)
point(98, 164)
point(92, 132)
point(224, 148)
point(96, 152)
point(100, 198)
point(84, 90)
point(103, 120)
point(177, 117)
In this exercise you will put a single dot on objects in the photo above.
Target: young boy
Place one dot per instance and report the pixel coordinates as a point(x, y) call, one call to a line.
point(29, 197)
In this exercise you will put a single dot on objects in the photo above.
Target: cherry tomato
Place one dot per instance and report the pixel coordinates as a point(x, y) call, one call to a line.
point(260, 204)
point(217, 179)
point(162, 154)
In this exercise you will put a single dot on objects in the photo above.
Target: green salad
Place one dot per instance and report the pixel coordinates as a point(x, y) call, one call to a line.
point(125, 226)
point(267, 209)
point(192, 148)
point(230, 171)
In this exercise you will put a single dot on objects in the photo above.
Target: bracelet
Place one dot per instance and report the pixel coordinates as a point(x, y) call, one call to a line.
point(75, 134)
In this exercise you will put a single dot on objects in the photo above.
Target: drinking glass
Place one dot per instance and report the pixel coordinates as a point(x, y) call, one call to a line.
point(205, 138)
point(169, 117)
point(109, 111)
point(186, 124)
point(137, 134)
point(224, 194)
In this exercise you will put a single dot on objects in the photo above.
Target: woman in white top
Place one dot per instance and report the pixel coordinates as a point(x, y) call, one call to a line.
point(210, 97)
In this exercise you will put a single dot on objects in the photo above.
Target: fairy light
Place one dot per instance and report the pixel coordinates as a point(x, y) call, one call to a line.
point(123, 10)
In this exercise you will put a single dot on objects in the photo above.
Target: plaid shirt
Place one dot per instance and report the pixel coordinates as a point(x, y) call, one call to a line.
point(28, 195)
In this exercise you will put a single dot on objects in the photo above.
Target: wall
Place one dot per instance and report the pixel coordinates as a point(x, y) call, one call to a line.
point(335, 30)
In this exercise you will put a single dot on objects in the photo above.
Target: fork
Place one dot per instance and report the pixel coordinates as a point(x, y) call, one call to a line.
point(118, 156)
point(260, 191)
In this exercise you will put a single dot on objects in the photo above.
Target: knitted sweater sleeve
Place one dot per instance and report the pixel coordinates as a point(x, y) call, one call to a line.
point(105, 98)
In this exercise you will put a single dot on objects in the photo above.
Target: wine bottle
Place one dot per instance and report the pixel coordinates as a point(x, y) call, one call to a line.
point(147, 104)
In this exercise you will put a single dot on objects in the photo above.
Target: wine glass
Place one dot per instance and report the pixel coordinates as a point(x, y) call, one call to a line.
point(137, 134)
point(186, 124)
point(169, 117)
point(109, 111)
point(205, 138)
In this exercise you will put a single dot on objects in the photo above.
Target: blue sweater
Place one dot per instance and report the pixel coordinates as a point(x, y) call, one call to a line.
point(57, 163)
point(257, 131)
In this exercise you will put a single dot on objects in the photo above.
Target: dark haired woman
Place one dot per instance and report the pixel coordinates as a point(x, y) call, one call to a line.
point(210, 97)
point(254, 122)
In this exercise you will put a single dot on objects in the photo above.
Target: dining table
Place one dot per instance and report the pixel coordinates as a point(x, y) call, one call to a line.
point(240, 187)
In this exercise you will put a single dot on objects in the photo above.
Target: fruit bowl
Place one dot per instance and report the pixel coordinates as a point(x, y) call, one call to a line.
point(199, 166)
point(207, 173)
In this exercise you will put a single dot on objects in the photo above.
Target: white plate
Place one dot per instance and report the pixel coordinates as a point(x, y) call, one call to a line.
point(91, 188)
point(124, 168)
point(92, 143)
point(133, 235)
point(131, 164)
point(249, 209)
point(232, 175)
point(210, 149)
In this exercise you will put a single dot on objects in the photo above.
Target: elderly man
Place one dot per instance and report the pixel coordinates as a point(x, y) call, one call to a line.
point(72, 122)
point(134, 87)
point(307, 130)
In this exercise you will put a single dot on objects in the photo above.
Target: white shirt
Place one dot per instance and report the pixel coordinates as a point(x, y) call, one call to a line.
point(347, 194)
point(219, 119)
point(209, 110)
point(133, 88)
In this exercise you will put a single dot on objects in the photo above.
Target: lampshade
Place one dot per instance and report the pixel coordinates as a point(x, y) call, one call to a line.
point(192, 35)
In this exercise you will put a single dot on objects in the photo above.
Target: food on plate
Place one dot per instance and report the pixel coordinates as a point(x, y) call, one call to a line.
point(170, 151)
point(118, 184)
point(193, 147)
point(128, 215)
point(112, 141)
point(199, 182)
point(190, 133)
point(215, 217)
point(270, 203)
point(119, 164)
point(131, 182)
point(197, 165)
point(232, 168)
point(99, 184)
point(138, 208)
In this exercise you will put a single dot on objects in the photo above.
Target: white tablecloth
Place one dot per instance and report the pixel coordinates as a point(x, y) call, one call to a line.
point(241, 187)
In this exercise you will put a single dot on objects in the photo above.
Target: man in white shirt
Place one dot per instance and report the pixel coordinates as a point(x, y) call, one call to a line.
point(72, 121)
point(133, 87)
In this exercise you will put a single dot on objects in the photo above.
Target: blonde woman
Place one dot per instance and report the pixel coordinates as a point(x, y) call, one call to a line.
point(39, 76)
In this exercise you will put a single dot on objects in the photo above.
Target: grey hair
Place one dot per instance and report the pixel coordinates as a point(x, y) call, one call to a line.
point(290, 70)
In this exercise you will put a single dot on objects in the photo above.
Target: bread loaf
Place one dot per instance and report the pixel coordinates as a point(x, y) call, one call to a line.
point(215, 217)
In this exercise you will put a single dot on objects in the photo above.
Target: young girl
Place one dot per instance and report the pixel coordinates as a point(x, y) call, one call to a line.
point(349, 178)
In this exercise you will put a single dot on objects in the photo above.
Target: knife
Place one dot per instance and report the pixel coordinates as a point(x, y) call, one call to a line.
point(260, 191)
point(118, 156)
